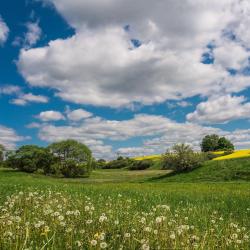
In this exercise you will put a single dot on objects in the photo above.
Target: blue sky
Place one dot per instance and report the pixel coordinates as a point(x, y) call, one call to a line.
point(121, 78)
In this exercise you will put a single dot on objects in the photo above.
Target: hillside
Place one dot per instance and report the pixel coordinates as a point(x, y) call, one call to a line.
point(214, 171)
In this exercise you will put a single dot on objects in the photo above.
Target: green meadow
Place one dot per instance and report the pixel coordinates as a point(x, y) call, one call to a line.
point(122, 209)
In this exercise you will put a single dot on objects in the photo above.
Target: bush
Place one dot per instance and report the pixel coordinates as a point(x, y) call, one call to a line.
point(117, 164)
point(140, 165)
point(182, 158)
point(72, 169)
point(101, 163)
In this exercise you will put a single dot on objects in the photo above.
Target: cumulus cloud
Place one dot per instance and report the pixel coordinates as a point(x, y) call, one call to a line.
point(78, 114)
point(95, 132)
point(8, 137)
point(24, 99)
point(100, 65)
point(231, 55)
point(50, 115)
point(4, 31)
point(221, 109)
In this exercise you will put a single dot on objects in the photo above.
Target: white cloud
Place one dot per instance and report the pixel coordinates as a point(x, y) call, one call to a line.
point(231, 55)
point(221, 109)
point(8, 137)
point(10, 89)
point(33, 34)
point(94, 131)
point(50, 115)
point(75, 67)
point(78, 114)
point(24, 99)
point(100, 62)
point(4, 31)
point(156, 133)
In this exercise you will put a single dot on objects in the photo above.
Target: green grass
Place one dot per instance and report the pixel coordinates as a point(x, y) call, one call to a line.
point(214, 212)
point(213, 171)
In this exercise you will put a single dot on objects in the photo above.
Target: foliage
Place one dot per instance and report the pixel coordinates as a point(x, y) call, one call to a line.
point(140, 165)
point(214, 143)
point(99, 164)
point(71, 150)
point(225, 144)
point(29, 158)
point(2, 148)
point(120, 162)
point(182, 158)
point(73, 169)
point(73, 155)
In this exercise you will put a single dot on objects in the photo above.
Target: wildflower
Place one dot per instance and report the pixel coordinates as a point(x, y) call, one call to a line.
point(127, 235)
point(158, 220)
point(102, 218)
point(87, 208)
point(234, 236)
point(78, 243)
point(60, 218)
point(102, 236)
point(172, 236)
point(103, 245)
point(93, 242)
point(147, 229)
point(145, 247)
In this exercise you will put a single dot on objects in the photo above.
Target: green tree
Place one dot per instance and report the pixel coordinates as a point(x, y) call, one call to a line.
point(225, 144)
point(214, 142)
point(2, 149)
point(29, 158)
point(72, 150)
point(210, 143)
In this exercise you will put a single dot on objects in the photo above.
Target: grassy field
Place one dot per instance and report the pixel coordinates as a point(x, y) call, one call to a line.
point(213, 171)
point(120, 209)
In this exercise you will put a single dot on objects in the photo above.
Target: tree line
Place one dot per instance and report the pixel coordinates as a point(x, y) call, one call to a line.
point(71, 159)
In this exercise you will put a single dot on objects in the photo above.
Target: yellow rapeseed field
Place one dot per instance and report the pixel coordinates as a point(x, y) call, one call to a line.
point(236, 154)
point(147, 157)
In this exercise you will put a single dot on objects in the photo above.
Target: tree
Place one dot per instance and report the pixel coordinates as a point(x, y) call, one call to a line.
point(182, 158)
point(2, 149)
point(210, 143)
point(225, 144)
point(29, 158)
point(72, 150)
point(214, 143)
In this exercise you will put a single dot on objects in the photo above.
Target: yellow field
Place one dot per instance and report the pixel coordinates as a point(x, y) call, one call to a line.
point(147, 157)
point(237, 154)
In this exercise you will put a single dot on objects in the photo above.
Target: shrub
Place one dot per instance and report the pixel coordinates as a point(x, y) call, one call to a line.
point(140, 165)
point(101, 163)
point(182, 158)
point(72, 169)
point(117, 164)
